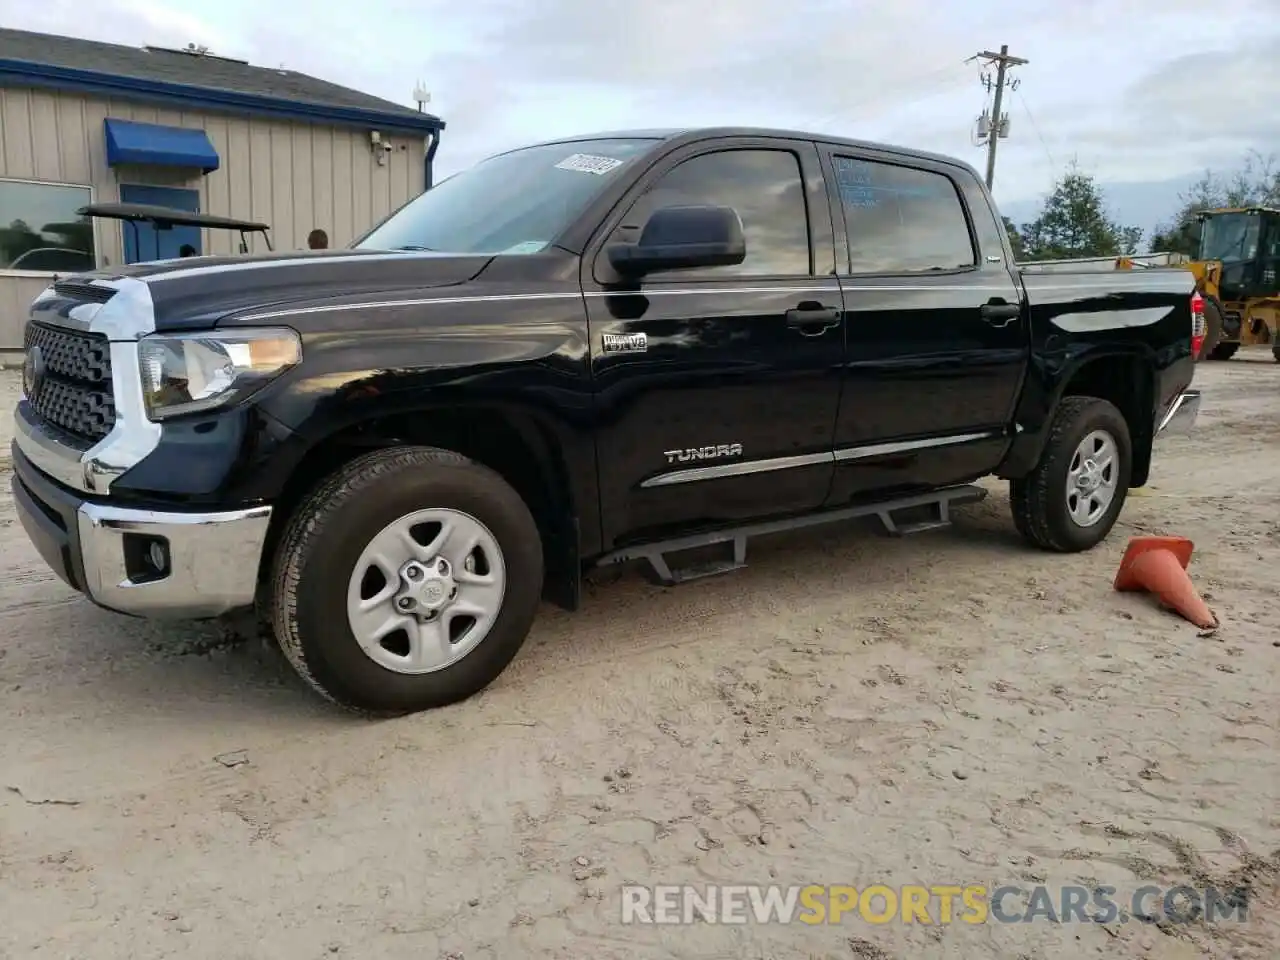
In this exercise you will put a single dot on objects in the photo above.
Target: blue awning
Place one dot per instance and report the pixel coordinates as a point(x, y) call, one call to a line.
point(155, 145)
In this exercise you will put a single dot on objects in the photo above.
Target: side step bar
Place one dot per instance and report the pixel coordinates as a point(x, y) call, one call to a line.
point(656, 553)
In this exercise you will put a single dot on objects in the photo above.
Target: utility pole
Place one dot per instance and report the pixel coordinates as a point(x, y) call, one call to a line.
point(999, 123)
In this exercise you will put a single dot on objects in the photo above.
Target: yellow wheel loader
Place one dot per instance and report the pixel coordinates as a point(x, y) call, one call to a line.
point(1240, 260)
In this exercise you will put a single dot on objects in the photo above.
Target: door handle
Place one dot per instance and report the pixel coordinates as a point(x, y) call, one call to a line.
point(1000, 314)
point(812, 320)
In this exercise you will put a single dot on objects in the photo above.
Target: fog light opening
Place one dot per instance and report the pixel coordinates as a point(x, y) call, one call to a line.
point(146, 558)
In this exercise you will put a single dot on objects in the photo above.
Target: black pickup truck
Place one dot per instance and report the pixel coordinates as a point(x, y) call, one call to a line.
point(602, 348)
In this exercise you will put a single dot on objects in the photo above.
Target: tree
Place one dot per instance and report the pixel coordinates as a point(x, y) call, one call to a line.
point(1130, 238)
point(1257, 181)
point(16, 239)
point(1074, 222)
point(1015, 239)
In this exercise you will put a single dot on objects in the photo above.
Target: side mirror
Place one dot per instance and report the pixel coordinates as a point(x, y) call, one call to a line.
point(676, 238)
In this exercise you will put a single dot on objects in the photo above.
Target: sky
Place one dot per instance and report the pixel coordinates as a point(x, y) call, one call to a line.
point(1127, 90)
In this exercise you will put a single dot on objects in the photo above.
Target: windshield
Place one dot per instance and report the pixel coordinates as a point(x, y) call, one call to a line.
point(1230, 237)
point(516, 202)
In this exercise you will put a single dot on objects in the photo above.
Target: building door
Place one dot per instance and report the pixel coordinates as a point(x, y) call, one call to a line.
point(142, 241)
point(727, 410)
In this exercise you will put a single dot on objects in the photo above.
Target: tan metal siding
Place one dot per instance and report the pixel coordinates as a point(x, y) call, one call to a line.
point(19, 141)
point(343, 200)
point(323, 202)
point(237, 172)
point(293, 176)
point(218, 190)
point(16, 294)
point(302, 190)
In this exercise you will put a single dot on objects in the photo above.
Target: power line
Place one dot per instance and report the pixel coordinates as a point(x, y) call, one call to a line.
point(931, 80)
point(1036, 127)
point(998, 123)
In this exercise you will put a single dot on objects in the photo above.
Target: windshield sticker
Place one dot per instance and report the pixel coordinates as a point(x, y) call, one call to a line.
point(586, 163)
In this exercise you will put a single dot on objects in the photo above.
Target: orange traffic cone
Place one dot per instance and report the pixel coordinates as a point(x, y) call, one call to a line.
point(1159, 565)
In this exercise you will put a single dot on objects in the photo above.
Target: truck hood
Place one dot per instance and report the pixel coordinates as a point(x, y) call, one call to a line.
point(199, 291)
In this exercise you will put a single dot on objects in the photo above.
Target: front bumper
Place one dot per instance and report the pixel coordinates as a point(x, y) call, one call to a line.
point(211, 560)
point(1181, 415)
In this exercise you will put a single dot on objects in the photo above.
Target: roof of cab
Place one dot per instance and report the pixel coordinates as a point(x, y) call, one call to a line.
point(694, 134)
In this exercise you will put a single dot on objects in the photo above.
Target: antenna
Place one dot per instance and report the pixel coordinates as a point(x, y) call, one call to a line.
point(421, 96)
point(193, 50)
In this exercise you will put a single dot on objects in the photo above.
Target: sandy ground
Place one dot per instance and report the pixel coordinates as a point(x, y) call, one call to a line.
point(946, 709)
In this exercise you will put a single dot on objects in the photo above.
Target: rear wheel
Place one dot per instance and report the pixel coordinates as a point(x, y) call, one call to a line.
point(407, 580)
point(1224, 351)
point(1213, 330)
point(1072, 498)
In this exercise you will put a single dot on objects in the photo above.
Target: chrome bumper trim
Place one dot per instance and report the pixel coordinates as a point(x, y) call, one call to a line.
point(213, 560)
point(43, 449)
point(1181, 415)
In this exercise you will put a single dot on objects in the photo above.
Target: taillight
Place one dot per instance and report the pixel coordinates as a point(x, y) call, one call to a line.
point(1198, 326)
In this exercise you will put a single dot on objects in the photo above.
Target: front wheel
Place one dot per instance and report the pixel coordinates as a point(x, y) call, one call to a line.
point(407, 580)
point(1072, 498)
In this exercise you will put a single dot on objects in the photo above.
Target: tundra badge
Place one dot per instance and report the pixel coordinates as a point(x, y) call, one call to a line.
point(625, 342)
point(717, 451)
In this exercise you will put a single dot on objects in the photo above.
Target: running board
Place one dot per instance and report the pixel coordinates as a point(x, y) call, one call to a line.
point(656, 553)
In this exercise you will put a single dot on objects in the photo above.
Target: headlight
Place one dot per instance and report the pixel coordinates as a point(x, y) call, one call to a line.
point(193, 372)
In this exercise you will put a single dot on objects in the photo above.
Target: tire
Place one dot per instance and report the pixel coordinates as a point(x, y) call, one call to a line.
point(1213, 323)
point(1224, 351)
point(334, 528)
point(1040, 500)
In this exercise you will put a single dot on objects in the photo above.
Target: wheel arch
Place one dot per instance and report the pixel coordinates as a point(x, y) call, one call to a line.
point(1128, 382)
point(525, 449)
point(1124, 378)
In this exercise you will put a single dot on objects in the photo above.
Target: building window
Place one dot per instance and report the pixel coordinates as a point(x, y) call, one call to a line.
point(40, 230)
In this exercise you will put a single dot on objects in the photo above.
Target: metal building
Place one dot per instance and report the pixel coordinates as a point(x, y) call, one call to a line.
point(86, 122)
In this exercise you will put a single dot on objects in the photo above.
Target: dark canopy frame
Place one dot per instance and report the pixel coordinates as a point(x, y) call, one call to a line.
point(164, 218)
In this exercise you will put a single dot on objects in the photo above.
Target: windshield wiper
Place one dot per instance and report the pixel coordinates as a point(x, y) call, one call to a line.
point(416, 248)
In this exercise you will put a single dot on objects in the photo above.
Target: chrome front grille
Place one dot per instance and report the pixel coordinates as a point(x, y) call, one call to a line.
point(67, 379)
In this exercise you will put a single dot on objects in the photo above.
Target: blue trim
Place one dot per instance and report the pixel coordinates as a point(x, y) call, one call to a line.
point(22, 73)
point(153, 145)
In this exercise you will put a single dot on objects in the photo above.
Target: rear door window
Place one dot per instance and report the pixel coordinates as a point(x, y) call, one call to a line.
point(901, 219)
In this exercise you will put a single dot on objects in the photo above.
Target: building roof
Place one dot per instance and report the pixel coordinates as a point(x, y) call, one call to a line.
point(192, 79)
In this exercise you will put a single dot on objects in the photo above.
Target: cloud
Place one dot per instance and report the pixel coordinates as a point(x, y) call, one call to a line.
point(1173, 106)
point(1130, 91)
point(130, 22)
